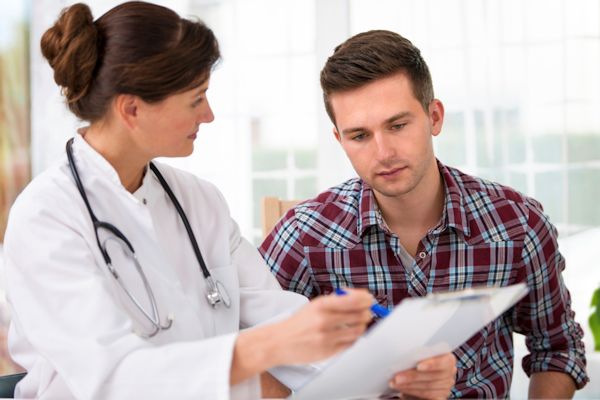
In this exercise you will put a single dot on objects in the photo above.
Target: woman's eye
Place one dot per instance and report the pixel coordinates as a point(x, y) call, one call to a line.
point(197, 102)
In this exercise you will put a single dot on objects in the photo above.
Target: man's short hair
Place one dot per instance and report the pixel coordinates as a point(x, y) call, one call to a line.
point(373, 55)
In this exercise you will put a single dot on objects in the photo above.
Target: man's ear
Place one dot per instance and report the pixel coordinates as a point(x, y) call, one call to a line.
point(337, 135)
point(436, 116)
point(126, 108)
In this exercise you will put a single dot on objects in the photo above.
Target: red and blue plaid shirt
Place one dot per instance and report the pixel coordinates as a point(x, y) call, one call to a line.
point(489, 235)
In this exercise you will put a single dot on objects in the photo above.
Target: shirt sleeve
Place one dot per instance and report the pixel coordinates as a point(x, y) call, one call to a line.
point(284, 253)
point(263, 301)
point(545, 316)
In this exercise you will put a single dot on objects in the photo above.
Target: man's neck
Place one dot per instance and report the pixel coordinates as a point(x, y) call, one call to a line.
point(411, 215)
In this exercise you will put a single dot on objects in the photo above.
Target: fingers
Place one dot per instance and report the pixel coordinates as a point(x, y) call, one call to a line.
point(354, 300)
point(344, 337)
point(431, 379)
point(445, 362)
point(422, 390)
point(347, 319)
point(352, 309)
point(348, 334)
point(436, 383)
point(340, 328)
point(323, 327)
point(426, 394)
point(422, 379)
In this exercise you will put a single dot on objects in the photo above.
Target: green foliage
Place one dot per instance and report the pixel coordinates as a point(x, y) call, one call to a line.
point(595, 319)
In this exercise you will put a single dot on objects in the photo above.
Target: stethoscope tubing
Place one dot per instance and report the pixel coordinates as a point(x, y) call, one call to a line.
point(184, 219)
point(216, 291)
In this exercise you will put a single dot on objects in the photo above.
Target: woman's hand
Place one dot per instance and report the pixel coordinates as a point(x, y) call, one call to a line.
point(433, 378)
point(323, 327)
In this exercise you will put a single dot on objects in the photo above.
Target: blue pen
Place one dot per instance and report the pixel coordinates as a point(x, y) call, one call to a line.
point(377, 309)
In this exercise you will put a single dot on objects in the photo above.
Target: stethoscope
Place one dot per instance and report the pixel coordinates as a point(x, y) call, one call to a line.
point(216, 292)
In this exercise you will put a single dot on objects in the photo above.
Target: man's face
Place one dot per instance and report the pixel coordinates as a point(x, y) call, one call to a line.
point(386, 134)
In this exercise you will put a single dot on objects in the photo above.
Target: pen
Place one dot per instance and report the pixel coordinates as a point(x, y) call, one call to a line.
point(377, 309)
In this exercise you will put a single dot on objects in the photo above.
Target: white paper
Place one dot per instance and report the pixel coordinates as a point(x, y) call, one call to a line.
point(417, 328)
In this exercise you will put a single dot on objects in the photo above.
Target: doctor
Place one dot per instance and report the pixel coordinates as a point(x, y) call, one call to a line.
point(110, 296)
point(128, 278)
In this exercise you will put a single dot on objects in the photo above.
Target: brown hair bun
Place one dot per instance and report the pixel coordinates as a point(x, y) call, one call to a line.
point(70, 46)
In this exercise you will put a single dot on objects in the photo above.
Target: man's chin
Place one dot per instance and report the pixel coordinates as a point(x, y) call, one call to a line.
point(391, 191)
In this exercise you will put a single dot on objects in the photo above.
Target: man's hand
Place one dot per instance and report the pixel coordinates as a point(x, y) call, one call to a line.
point(433, 378)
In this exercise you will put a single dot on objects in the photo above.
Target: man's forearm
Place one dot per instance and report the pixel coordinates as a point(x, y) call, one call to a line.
point(551, 384)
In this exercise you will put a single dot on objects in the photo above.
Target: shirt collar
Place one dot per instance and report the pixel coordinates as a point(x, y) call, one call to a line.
point(453, 215)
point(86, 155)
point(368, 211)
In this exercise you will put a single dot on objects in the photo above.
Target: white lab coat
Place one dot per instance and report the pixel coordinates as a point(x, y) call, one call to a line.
point(71, 328)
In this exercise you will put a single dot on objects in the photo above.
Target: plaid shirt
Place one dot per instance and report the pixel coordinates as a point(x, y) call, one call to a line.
point(489, 235)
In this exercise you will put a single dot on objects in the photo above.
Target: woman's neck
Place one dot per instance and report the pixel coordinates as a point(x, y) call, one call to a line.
point(119, 150)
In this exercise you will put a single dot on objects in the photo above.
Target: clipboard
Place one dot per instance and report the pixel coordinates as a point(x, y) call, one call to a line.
point(417, 328)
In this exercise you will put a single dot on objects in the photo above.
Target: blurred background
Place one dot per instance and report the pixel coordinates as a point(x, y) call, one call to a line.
point(519, 79)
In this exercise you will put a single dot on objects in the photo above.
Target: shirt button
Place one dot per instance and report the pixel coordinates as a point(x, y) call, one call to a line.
point(422, 255)
point(144, 201)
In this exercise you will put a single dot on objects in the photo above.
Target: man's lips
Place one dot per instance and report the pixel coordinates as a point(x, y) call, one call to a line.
point(390, 172)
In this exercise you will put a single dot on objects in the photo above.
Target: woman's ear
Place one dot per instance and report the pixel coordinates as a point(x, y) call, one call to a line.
point(126, 109)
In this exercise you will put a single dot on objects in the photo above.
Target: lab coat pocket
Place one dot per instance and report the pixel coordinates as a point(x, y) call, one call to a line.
point(227, 311)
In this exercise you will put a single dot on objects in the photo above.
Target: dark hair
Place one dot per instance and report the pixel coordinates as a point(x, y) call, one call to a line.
point(373, 55)
point(135, 48)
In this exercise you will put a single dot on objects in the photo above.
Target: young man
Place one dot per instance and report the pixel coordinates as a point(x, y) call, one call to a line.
point(410, 225)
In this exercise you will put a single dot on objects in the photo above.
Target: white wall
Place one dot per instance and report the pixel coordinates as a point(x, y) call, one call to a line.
point(582, 277)
point(222, 154)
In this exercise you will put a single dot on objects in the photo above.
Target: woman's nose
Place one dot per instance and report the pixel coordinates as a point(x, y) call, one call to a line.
point(206, 115)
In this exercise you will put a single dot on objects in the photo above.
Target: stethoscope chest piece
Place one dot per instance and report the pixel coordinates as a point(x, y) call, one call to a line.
point(216, 293)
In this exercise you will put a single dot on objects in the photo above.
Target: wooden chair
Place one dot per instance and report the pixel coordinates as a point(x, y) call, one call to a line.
point(272, 209)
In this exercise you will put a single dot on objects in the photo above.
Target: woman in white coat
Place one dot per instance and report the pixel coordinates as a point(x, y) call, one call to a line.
point(128, 278)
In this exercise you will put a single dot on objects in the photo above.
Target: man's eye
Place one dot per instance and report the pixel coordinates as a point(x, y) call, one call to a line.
point(359, 137)
point(397, 127)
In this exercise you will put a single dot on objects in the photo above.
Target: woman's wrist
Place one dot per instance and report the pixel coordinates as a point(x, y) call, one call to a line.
point(255, 351)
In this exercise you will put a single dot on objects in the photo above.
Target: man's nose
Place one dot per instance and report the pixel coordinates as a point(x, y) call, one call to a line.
point(384, 148)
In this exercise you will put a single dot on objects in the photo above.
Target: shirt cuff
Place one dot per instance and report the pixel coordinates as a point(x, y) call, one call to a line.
point(569, 363)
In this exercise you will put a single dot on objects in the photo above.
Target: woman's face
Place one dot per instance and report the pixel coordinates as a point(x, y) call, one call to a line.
point(168, 128)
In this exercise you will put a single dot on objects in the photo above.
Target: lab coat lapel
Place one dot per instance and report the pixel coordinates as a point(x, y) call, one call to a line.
point(112, 203)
